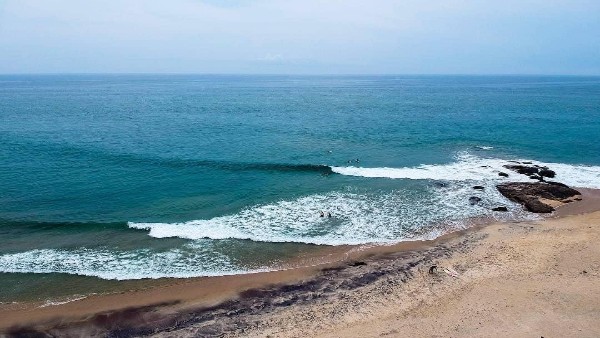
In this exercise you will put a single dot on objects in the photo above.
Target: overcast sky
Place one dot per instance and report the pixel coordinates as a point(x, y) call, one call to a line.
point(300, 36)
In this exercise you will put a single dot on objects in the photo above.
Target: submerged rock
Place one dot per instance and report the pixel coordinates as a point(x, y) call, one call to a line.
point(529, 194)
point(503, 209)
point(502, 174)
point(440, 184)
point(478, 187)
point(474, 200)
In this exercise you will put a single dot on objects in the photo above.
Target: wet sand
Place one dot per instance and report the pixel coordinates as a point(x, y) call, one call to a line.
point(514, 279)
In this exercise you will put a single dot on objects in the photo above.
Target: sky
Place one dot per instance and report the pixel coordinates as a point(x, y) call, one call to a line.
point(300, 36)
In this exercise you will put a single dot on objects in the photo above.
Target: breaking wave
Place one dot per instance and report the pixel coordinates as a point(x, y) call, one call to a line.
point(419, 211)
point(468, 167)
point(383, 217)
point(190, 261)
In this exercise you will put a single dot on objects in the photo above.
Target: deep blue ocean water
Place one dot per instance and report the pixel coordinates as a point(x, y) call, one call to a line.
point(146, 176)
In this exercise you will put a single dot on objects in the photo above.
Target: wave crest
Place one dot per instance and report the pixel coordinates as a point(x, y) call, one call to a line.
point(472, 168)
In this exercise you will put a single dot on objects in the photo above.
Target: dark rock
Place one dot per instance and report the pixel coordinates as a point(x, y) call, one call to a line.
point(522, 169)
point(440, 184)
point(500, 209)
point(533, 171)
point(535, 205)
point(547, 173)
point(502, 174)
point(529, 193)
point(478, 187)
point(474, 200)
point(550, 190)
point(560, 185)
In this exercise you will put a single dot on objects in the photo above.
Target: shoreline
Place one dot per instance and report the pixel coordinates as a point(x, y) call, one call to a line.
point(206, 296)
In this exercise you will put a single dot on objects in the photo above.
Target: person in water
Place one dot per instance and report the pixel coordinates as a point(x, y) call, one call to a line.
point(321, 213)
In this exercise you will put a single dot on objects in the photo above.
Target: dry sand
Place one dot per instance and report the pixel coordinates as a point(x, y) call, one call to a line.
point(528, 279)
point(522, 280)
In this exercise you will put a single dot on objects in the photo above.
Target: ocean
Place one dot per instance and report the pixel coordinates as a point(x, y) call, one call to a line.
point(107, 178)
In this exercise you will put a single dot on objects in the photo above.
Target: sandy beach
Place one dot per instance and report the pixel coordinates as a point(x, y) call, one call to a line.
point(539, 278)
point(292, 168)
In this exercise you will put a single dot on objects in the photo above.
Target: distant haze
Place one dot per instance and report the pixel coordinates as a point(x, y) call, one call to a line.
point(300, 36)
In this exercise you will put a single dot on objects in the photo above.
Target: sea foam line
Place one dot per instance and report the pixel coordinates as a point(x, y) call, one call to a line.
point(191, 260)
point(357, 218)
point(472, 168)
point(61, 302)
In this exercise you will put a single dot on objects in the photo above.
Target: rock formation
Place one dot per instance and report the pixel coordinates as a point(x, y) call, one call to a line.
point(533, 171)
point(530, 194)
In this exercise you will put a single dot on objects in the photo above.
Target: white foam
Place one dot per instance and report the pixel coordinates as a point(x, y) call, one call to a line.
point(579, 176)
point(472, 168)
point(190, 261)
point(381, 217)
point(358, 218)
point(467, 167)
point(61, 302)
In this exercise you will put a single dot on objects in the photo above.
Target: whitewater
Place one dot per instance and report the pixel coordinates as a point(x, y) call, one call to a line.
point(358, 218)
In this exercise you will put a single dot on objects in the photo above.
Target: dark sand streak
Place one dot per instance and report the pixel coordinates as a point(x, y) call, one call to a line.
point(236, 314)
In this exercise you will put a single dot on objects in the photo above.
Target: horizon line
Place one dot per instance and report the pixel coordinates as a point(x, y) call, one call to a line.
point(296, 74)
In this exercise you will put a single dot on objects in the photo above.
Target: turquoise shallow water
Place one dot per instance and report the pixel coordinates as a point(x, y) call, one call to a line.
point(146, 176)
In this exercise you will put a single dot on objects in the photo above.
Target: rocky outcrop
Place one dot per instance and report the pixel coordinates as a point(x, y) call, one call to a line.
point(535, 205)
point(547, 173)
point(529, 194)
point(522, 169)
point(533, 171)
point(503, 209)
